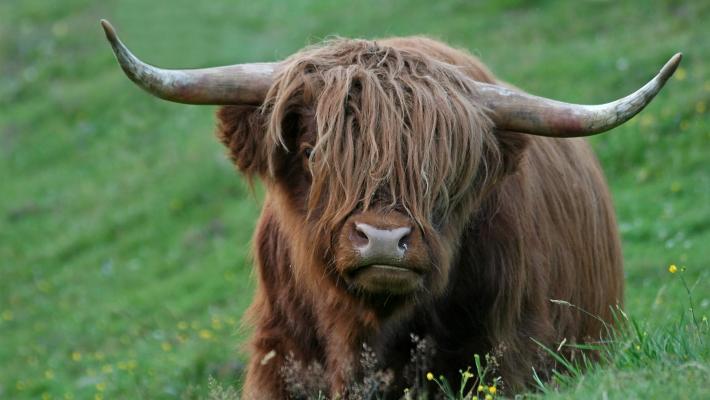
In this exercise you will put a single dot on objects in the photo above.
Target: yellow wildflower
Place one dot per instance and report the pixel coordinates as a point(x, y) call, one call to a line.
point(129, 365)
point(489, 397)
point(182, 325)
point(46, 396)
point(166, 346)
point(700, 107)
point(76, 356)
point(492, 390)
point(672, 269)
point(429, 376)
point(206, 334)
point(98, 396)
point(49, 374)
point(481, 388)
point(101, 386)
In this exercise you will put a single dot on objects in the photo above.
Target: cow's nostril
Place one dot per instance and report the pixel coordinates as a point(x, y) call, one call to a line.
point(359, 237)
point(360, 233)
point(404, 241)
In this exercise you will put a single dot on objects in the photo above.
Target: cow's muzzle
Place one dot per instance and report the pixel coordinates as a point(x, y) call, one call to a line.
point(384, 253)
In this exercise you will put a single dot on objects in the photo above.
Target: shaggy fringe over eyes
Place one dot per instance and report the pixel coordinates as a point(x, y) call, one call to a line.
point(394, 127)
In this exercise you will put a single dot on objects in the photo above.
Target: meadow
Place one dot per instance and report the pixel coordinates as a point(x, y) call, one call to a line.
point(125, 231)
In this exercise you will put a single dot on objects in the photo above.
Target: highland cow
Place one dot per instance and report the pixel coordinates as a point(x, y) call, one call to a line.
point(411, 192)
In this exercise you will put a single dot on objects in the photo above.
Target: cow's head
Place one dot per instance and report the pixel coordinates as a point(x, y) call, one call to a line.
point(375, 156)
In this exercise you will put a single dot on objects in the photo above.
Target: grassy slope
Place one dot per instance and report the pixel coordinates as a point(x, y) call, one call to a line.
point(124, 232)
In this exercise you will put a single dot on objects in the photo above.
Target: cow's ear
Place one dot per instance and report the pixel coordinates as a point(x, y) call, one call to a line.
point(512, 146)
point(242, 130)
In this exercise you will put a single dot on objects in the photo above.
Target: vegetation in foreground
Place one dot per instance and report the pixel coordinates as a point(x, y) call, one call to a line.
point(590, 370)
point(124, 231)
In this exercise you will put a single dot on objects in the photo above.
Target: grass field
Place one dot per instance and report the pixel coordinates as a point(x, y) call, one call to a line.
point(124, 230)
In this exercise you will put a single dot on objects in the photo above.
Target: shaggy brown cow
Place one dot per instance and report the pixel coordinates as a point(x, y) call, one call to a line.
point(410, 192)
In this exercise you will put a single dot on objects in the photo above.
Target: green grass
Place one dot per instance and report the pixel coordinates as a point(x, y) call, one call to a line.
point(639, 361)
point(125, 232)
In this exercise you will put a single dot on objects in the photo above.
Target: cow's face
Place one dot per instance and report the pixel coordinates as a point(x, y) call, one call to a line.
point(376, 159)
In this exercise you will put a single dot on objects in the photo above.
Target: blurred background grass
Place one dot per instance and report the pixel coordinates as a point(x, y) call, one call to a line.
point(124, 230)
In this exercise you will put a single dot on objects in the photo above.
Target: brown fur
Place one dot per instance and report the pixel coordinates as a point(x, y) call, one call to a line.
point(507, 221)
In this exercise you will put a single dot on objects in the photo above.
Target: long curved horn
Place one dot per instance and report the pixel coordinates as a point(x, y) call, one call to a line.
point(517, 111)
point(233, 84)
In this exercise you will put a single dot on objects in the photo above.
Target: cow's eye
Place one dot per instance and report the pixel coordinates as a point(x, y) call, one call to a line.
point(307, 152)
